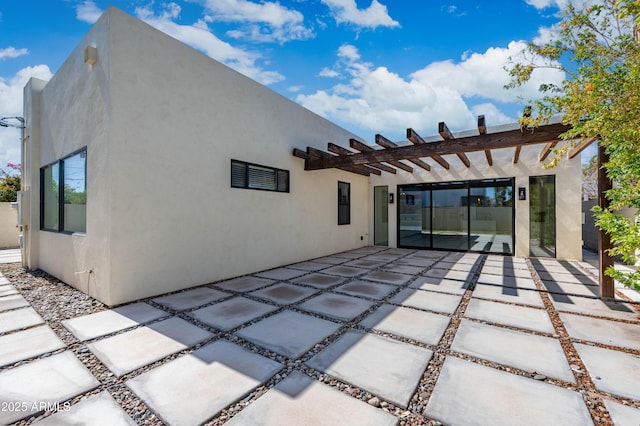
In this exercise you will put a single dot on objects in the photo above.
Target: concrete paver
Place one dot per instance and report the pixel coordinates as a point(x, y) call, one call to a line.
point(336, 306)
point(506, 271)
point(344, 271)
point(195, 387)
point(454, 265)
point(508, 294)
point(319, 280)
point(597, 307)
point(425, 327)
point(12, 302)
point(387, 277)
point(416, 261)
point(568, 278)
point(106, 322)
point(7, 290)
point(571, 289)
point(506, 262)
point(511, 315)
point(366, 289)
point(385, 367)
point(442, 285)
point(403, 269)
point(446, 273)
point(614, 372)
point(232, 313)
point(429, 300)
point(281, 274)
point(50, 380)
point(508, 347)
point(25, 344)
point(19, 319)
point(100, 408)
point(299, 400)
point(133, 349)
point(607, 332)
point(331, 260)
point(500, 398)
point(623, 414)
point(302, 332)
point(309, 266)
point(191, 298)
point(363, 263)
point(246, 283)
point(284, 294)
point(519, 282)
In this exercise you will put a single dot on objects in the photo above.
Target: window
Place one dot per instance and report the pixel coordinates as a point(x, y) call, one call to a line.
point(64, 207)
point(344, 203)
point(253, 176)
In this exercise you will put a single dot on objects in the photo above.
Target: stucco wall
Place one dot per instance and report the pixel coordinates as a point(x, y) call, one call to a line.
point(161, 214)
point(568, 180)
point(8, 230)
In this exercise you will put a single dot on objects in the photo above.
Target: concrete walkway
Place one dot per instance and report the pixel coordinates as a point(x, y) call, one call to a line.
point(373, 336)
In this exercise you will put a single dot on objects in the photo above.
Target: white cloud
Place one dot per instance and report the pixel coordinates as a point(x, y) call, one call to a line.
point(199, 37)
point(295, 89)
point(329, 73)
point(346, 11)
point(483, 74)
point(377, 99)
point(88, 12)
point(11, 106)
point(12, 52)
point(267, 21)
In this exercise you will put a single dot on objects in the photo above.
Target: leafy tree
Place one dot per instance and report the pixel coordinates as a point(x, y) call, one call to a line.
point(9, 183)
point(600, 97)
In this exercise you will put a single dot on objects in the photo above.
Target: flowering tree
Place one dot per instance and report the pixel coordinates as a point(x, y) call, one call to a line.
point(598, 48)
point(9, 183)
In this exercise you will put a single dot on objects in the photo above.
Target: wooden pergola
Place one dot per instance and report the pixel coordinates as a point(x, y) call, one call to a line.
point(363, 159)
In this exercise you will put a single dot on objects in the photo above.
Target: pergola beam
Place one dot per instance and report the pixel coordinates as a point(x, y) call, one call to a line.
point(364, 148)
point(507, 139)
point(416, 139)
point(547, 150)
point(386, 143)
point(581, 146)
point(482, 129)
point(447, 135)
point(516, 154)
point(317, 154)
point(337, 149)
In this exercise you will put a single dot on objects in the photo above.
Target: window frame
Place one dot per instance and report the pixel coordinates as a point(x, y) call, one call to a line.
point(341, 203)
point(247, 184)
point(60, 194)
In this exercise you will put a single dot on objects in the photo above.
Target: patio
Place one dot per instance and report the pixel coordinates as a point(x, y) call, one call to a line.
point(370, 336)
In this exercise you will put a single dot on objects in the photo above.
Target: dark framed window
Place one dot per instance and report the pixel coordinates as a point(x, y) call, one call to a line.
point(344, 203)
point(63, 194)
point(254, 176)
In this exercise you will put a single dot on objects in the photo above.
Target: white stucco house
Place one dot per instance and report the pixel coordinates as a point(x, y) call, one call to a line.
point(150, 167)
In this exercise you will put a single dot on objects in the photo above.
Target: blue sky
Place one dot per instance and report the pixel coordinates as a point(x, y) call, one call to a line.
point(372, 66)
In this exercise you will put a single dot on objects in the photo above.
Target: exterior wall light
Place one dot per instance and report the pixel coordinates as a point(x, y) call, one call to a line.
point(90, 55)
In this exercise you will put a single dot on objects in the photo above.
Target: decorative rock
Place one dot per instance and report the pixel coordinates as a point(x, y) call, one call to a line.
point(540, 377)
point(375, 401)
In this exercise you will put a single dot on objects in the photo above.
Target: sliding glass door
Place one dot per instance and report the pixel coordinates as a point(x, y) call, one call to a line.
point(464, 216)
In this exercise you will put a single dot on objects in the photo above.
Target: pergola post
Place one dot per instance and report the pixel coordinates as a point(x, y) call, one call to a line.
point(607, 289)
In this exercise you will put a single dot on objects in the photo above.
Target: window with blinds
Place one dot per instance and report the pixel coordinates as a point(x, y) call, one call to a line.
point(254, 176)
